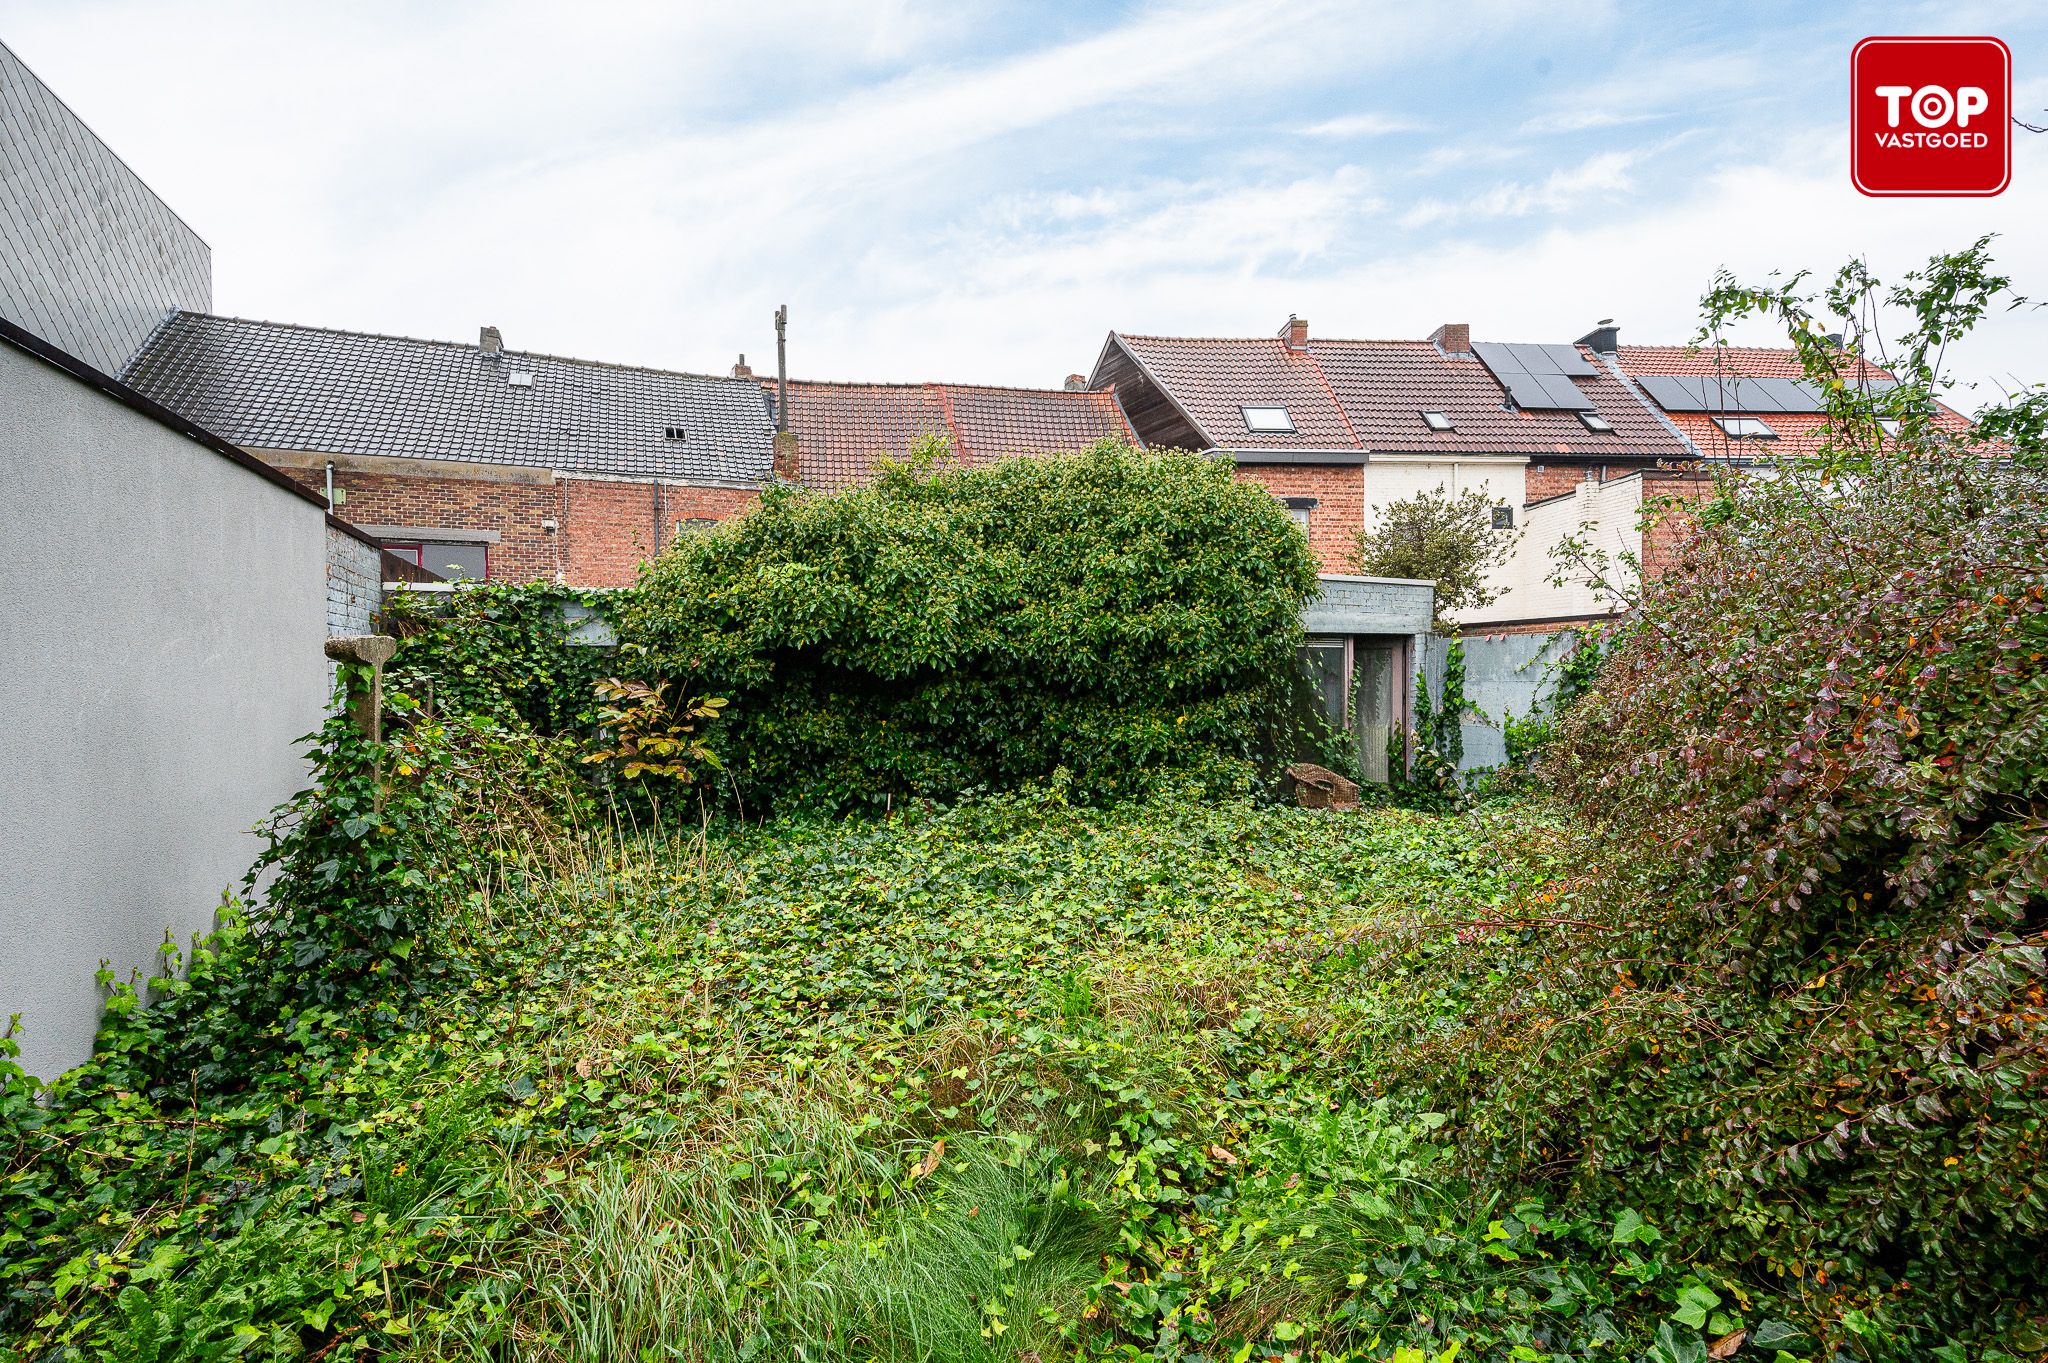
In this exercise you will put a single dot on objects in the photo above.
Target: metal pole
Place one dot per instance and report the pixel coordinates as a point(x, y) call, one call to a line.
point(782, 368)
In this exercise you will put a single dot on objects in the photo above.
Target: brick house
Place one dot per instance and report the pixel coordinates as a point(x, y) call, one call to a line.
point(1338, 428)
point(473, 460)
point(844, 430)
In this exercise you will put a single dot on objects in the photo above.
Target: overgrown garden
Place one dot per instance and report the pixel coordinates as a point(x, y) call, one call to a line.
point(961, 989)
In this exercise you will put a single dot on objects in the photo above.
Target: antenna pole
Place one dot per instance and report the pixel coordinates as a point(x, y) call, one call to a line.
point(782, 368)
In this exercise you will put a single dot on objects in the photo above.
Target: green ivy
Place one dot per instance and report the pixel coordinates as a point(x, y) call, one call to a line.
point(1116, 615)
point(503, 650)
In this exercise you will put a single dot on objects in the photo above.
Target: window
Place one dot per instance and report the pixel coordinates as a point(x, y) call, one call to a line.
point(1267, 420)
point(690, 523)
point(1437, 421)
point(519, 378)
point(1745, 428)
point(673, 433)
point(1503, 518)
point(1596, 423)
point(450, 561)
point(1298, 509)
point(1888, 424)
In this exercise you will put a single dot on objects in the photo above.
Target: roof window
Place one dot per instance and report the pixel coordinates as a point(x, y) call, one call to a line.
point(1745, 428)
point(673, 433)
point(1596, 423)
point(1267, 420)
point(1437, 421)
point(519, 378)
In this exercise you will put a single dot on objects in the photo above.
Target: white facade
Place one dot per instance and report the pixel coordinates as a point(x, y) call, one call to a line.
point(1394, 477)
point(1607, 516)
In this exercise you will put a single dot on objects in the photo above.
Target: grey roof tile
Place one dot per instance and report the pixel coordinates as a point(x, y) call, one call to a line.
point(270, 385)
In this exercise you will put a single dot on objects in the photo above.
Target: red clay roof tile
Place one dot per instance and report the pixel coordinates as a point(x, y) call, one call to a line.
point(845, 430)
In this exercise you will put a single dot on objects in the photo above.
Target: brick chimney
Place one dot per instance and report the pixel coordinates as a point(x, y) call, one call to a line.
point(1295, 334)
point(1077, 383)
point(741, 370)
point(786, 465)
point(490, 342)
point(1453, 338)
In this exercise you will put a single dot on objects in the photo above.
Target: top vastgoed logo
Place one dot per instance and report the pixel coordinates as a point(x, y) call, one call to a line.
point(1930, 116)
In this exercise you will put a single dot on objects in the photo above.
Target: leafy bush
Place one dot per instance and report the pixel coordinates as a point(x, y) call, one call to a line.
point(1120, 615)
point(369, 859)
point(1789, 996)
point(502, 650)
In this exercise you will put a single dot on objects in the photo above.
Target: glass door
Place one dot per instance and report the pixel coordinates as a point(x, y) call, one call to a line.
point(1373, 719)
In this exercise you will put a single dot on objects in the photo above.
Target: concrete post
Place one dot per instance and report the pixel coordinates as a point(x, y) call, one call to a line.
point(366, 707)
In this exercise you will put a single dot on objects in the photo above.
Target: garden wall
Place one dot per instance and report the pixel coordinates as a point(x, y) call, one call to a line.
point(166, 607)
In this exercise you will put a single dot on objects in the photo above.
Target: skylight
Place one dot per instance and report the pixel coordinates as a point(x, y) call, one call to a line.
point(1267, 420)
point(519, 378)
point(673, 433)
point(1437, 421)
point(1596, 423)
point(1745, 428)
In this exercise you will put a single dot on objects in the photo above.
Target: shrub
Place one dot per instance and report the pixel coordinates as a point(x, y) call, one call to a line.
point(502, 650)
point(1789, 995)
point(1117, 614)
point(363, 865)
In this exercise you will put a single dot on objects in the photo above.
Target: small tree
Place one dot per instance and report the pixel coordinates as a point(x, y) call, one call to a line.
point(1445, 537)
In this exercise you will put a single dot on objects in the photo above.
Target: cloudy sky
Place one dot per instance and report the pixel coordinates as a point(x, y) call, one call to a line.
point(980, 191)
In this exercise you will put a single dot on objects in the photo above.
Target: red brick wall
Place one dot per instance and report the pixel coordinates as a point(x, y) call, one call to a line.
point(605, 527)
point(1543, 479)
point(1673, 525)
point(1339, 513)
point(608, 527)
point(1550, 480)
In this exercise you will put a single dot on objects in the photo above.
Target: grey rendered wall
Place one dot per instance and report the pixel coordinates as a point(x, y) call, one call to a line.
point(164, 611)
point(90, 258)
point(1505, 674)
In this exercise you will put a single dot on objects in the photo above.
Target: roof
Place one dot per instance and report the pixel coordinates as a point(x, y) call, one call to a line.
point(1385, 386)
point(271, 385)
point(844, 430)
point(1796, 433)
point(1370, 395)
point(1214, 378)
point(1735, 361)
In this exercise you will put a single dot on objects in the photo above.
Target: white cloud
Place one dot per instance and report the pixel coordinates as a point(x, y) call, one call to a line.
point(1363, 125)
point(1605, 175)
point(646, 182)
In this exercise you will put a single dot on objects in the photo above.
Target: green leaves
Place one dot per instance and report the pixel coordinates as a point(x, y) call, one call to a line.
point(1119, 617)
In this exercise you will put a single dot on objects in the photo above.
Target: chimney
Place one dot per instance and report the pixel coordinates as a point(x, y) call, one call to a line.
point(1077, 383)
point(741, 371)
point(1453, 338)
point(1295, 334)
point(1604, 338)
point(490, 342)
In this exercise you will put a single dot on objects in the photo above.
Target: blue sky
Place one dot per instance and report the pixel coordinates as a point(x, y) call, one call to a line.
point(979, 192)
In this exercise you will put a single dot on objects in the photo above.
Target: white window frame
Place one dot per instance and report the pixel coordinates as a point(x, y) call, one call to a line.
point(1751, 428)
point(1285, 425)
point(1438, 421)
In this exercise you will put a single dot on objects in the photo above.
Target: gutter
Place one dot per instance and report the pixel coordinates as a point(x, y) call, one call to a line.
point(1271, 455)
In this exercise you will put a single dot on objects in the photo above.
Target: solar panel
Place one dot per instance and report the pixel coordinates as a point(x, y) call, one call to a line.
point(1537, 376)
point(1707, 393)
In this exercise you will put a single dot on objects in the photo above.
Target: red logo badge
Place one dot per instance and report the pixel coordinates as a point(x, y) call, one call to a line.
point(1930, 116)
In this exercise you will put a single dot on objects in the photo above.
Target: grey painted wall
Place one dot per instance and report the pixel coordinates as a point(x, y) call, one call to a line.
point(165, 610)
point(90, 258)
point(1505, 674)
